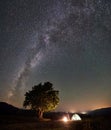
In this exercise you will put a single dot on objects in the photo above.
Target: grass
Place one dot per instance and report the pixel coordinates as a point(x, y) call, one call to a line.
point(31, 123)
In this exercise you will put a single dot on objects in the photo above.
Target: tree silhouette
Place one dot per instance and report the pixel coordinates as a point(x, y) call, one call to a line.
point(42, 98)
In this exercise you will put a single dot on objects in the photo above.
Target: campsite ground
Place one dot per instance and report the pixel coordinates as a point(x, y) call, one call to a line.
point(31, 123)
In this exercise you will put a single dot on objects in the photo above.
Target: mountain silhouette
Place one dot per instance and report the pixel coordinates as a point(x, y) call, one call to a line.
point(6, 108)
point(101, 112)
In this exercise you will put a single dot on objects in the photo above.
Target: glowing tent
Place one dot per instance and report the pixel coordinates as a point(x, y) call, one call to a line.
point(76, 117)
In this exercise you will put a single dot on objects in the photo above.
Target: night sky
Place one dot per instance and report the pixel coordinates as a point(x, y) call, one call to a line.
point(66, 42)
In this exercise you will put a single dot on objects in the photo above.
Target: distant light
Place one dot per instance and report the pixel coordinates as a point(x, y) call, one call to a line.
point(76, 117)
point(83, 112)
point(65, 119)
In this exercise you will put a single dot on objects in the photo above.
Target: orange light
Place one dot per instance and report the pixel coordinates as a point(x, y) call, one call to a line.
point(65, 119)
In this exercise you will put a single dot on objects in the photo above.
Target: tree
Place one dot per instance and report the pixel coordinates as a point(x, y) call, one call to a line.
point(42, 98)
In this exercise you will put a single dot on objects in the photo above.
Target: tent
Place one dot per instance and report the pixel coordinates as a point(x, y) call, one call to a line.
point(76, 117)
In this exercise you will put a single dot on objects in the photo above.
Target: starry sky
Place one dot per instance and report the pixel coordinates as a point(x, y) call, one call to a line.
point(66, 42)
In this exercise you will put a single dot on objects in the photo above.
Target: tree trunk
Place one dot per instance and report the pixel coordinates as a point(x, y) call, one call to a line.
point(39, 114)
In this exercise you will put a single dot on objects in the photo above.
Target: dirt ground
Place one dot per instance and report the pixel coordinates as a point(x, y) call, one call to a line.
point(31, 123)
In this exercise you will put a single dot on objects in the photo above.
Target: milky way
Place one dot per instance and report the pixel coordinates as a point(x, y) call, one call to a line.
point(66, 42)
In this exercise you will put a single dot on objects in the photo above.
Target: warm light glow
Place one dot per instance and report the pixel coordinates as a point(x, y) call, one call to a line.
point(65, 119)
point(83, 112)
point(76, 117)
point(10, 94)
